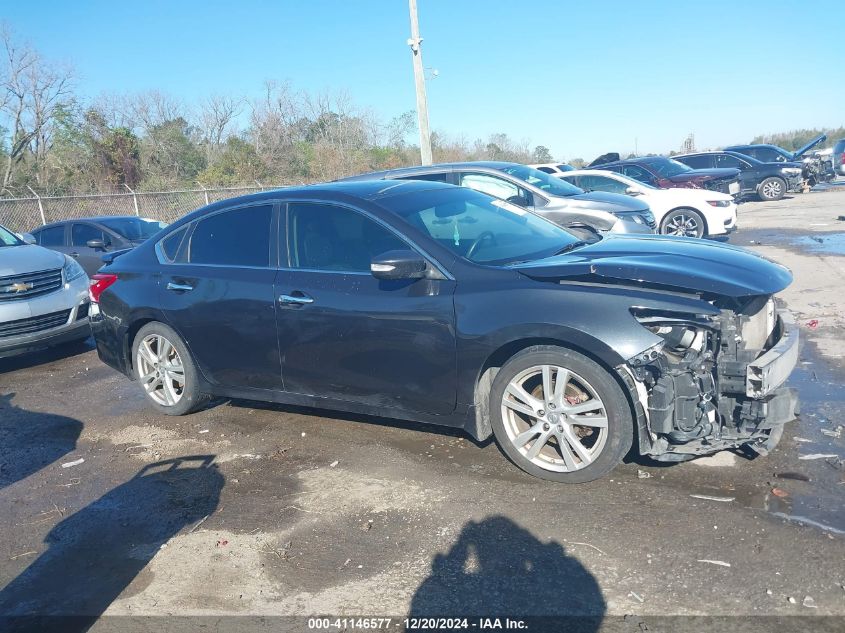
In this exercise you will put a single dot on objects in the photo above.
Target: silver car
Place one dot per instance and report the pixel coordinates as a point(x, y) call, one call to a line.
point(43, 297)
point(544, 194)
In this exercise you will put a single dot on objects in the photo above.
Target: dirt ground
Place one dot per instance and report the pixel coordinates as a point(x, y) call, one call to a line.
point(255, 509)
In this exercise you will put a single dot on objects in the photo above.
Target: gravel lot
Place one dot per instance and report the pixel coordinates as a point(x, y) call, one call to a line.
point(277, 510)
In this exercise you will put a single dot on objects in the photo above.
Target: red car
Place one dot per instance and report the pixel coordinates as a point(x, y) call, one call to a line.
point(666, 173)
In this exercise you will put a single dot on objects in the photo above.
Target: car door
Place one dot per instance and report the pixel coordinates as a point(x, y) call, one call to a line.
point(345, 335)
point(219, 296)
point(91, 259)
point(748, 177)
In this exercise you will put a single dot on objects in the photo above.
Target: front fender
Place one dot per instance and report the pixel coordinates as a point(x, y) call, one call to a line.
point(594, 318)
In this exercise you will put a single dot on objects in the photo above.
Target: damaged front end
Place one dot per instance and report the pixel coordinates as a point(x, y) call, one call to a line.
point(716, 380)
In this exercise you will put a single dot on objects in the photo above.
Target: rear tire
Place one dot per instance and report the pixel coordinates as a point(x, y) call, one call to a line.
point(167, 373)
point(771, 189)
point(683, 222)
point(559, 415)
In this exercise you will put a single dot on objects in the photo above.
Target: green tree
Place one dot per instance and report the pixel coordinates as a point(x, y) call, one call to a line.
point(542, 154)
point(237, 164)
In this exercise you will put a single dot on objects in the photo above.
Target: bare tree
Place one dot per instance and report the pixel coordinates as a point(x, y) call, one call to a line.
point(32, 93)
point(217, 117)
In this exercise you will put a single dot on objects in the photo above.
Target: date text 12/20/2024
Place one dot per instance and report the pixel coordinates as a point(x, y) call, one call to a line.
point(416, 624)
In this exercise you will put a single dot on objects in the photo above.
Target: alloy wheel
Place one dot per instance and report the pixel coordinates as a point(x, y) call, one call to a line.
point(772, 189)
point(682, 225)
point(160, 370)
point(554, 418)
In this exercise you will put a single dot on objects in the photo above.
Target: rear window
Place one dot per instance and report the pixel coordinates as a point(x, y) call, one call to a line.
point(240, 237)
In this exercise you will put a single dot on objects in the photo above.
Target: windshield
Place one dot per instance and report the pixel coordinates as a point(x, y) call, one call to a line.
point(7, 238)
point(133, 229)
point(552, 185)
point(478, 227)
point(666, 167)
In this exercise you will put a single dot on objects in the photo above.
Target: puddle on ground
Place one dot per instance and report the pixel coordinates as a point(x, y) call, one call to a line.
point(827, 243)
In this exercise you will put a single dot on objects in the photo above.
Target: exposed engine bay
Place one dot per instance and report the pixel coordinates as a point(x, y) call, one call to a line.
point(715, 382)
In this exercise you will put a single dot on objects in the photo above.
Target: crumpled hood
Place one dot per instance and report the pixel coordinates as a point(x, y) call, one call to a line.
point(610, 202)
point(28, 258)
point(681, 263)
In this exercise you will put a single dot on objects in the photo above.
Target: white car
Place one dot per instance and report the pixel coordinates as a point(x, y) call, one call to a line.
point(553, 168)
point(684, 212)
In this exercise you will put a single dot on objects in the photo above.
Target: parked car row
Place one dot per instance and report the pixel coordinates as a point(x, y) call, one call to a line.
point(491, 297)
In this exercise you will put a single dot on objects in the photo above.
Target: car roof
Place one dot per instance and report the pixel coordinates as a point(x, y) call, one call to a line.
point(427, 169)
point(93, 218)
point(594, 171)
point(638, 160)
point(754, 146)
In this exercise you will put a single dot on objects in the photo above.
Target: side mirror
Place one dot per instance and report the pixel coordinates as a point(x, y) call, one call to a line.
point(398, 265)
point(633, 191)
point(29, 238)
point(99, 245)
point(520, 201)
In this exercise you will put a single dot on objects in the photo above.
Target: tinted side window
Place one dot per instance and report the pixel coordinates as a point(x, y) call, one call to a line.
point(548, 170)
point(726, 160)
point(638, 173)
point(170, 244)
point(81, 233)
point(327, 237)
point(240, 237)
point(53, 236)
point(441, 177)
point(602, 183)
point(697, 162)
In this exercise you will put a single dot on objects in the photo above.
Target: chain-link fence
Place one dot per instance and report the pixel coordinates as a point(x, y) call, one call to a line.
point(25, 214)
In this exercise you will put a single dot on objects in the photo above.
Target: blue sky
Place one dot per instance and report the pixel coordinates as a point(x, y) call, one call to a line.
point(580, 77)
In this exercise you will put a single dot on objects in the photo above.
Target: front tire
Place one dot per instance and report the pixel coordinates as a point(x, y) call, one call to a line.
point(771, 189)
point(167, 373)
point(683, 222)
point(559, 415)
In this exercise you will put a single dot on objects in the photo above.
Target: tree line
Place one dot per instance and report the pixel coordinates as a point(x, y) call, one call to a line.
point(796, 139)
point(61, 144)
point(58, 143)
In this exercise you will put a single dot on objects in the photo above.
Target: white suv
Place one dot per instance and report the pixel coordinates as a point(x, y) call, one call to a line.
point(43, 297)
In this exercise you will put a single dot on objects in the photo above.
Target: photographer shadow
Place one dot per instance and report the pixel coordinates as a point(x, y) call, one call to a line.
point(32, 441)
point(499, 569)
point(94, 554)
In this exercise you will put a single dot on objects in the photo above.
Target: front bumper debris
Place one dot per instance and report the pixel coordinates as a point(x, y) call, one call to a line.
point(771, 370)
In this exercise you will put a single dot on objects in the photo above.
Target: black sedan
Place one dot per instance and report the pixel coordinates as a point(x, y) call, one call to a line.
point(768, 181)
point(431, 302)
point(88, 239)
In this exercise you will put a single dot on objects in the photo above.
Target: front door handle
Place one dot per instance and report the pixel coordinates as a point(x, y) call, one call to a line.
point(298, 299)
point(179, 287)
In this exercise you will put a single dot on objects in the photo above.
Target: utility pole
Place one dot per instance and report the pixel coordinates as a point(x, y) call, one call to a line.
point(419, 80)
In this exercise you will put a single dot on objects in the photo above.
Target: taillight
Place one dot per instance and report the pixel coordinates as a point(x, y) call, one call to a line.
point(842, 158)
point(100, 282)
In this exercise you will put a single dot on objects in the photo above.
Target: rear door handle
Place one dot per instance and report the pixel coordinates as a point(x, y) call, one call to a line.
point(299, 298)
point(74, 254)
point(179, 287)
